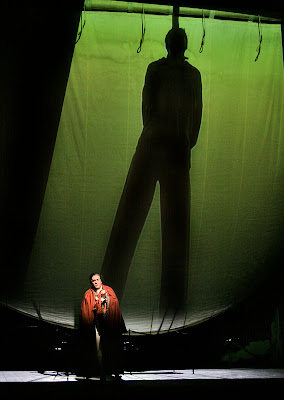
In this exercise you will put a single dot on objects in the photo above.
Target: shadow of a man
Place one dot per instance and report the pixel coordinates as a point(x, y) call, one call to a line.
point(172, 110)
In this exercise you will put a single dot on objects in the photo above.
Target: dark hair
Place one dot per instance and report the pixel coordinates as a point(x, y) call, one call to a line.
point(95, 273)
point(176, 41)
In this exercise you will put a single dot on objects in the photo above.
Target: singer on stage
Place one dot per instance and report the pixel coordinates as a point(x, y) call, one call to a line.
point(102, 326)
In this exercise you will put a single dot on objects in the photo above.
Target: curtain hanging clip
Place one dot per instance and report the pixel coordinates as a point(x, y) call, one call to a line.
point(258, 49)
point(203, 35)
point(143, 29)
point(129, 6)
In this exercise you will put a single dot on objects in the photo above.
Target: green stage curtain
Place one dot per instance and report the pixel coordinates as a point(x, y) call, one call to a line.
point(236, 172)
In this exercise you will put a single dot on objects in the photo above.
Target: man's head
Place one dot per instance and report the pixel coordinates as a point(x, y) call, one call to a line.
point(96, 280)
point(176, 42)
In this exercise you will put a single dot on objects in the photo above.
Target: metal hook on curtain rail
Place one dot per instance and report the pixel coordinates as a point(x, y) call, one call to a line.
point(260, 38)
point(82, 23)
point(212, 14)
point(143, 24)
point(204, 33)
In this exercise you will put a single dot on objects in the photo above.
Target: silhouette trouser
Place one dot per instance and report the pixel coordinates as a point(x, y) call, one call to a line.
point(168, 165)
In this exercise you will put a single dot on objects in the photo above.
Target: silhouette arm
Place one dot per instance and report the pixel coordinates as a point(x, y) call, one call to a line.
point(198, 111)
point(147, 95)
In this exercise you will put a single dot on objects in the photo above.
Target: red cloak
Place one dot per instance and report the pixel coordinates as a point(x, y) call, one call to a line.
point(112, 322)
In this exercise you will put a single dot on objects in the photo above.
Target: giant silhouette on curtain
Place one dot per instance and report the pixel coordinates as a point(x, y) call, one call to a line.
point(171, 110)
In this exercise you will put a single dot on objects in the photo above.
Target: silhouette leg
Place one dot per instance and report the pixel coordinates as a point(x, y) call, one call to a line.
point(131, 214)
point(175, 217)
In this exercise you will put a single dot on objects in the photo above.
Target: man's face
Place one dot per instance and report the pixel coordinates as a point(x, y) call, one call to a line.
point(96, 281)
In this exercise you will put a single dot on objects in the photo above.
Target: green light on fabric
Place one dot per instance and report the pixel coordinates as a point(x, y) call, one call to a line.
point(236, 174)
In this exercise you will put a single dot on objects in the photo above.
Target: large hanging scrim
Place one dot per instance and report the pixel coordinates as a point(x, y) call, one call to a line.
point(236, 166)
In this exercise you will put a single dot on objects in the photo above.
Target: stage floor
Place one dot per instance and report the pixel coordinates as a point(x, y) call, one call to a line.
point(148, 384)
point(167, 375)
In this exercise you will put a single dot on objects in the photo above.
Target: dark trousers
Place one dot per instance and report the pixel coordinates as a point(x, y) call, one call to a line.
point(167, 164)
point(99, 355)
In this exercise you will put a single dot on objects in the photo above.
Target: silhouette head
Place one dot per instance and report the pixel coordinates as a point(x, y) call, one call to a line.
point(176, 42)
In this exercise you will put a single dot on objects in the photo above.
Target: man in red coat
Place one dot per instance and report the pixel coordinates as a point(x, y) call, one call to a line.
point(102, 326)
